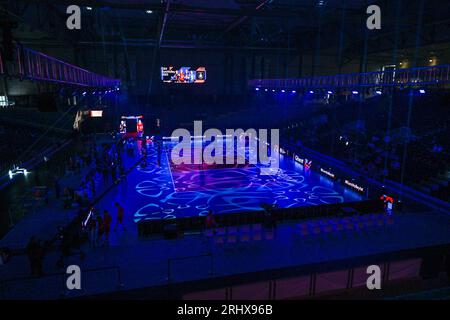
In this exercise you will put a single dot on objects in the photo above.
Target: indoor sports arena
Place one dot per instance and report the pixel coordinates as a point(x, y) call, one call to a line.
point(225, 150)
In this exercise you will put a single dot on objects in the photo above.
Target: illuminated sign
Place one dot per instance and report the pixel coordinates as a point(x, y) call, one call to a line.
point(328, 173)
point(132, 117)
point(183, 75)
point(17, 170)
point(305, 162)
point(96, 113)
point(354, 185)
point(125, 127)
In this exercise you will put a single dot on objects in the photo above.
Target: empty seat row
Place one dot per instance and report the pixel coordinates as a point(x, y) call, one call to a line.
point(241, 234)
point(353, 223)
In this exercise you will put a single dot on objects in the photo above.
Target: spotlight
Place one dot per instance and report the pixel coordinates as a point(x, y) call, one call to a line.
point(283, 91)
point(89, 8)
point(378, 92)
point(312, 92)
point(355, 92)
point(330, 92)
point(422, 91)
point(273, 90)
point(149, 11)
point(257, 89)
point(265, 90)
point(293, 91)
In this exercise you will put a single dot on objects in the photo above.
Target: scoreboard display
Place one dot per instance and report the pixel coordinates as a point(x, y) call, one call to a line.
point(183, 75)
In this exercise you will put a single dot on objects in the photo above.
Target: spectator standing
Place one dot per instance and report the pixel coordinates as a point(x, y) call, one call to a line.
point(114, 173)
point(93, 231)
point(107, 220)
point(120, 215)
point(211, 221)
point(35, 255)
point(100, 230)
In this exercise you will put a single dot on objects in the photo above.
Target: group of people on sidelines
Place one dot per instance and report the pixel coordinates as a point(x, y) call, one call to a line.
point(98, 225)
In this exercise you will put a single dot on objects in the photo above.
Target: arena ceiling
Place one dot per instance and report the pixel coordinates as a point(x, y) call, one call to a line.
point(255, 24)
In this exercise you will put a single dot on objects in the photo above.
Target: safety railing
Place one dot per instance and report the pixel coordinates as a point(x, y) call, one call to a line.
point(399, 77)
point(398, 273)
point(34, 65)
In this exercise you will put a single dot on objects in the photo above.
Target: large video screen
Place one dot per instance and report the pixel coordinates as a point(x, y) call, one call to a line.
point(183, 75)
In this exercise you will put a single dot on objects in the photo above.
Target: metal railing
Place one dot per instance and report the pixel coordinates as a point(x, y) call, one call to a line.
point(344, 282)
point(34, 65)
point(399, 77)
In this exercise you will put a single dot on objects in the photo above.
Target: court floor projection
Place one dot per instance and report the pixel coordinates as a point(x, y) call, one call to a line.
point(169, 191)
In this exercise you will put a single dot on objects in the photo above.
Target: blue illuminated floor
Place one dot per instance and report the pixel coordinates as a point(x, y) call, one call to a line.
point(144, 262)
point(171, 191)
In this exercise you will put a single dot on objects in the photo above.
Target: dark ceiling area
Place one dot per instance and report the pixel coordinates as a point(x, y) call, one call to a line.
point(256, 24)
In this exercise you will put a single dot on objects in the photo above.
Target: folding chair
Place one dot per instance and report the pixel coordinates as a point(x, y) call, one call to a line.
point(232, 230)
point(232, 238)
point(269, 235)
point(219, 239)
point(221, 231)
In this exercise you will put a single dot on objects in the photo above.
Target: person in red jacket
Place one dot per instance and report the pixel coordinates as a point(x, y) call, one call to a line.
point(140, 128)
point(107, 219)
point(120, 214)
point(211, 221)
